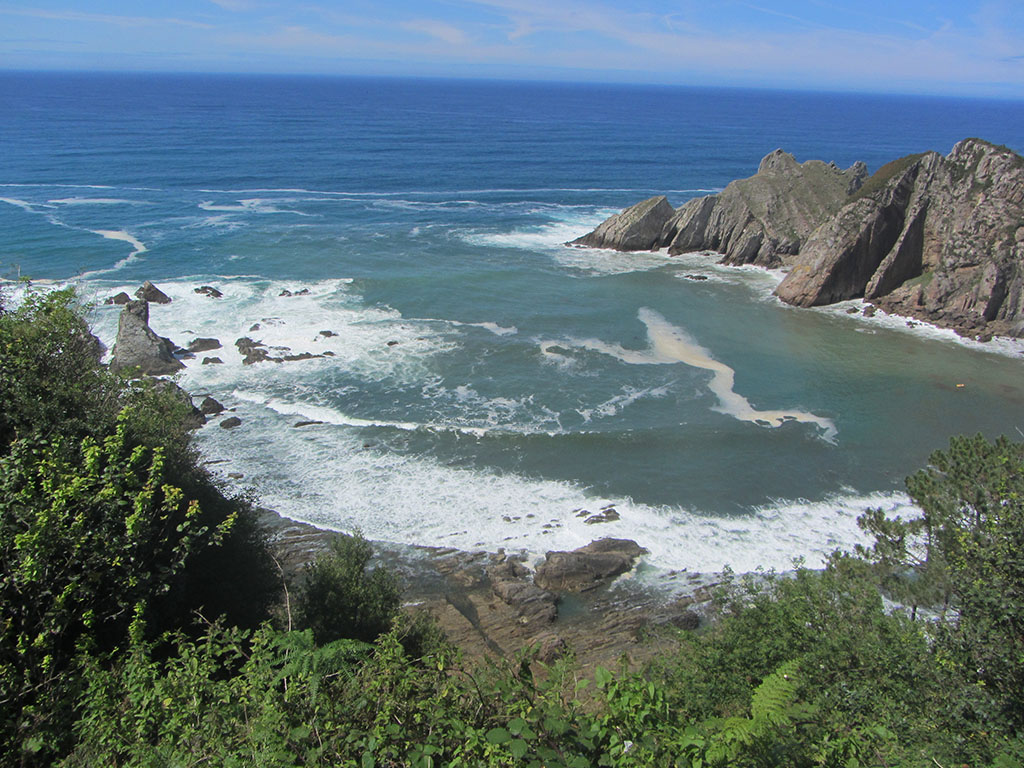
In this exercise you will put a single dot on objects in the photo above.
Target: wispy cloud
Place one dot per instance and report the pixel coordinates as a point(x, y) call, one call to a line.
point(101, 18)
point(437, 29)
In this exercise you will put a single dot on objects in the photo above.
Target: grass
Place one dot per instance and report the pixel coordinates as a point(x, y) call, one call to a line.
point(884, 175)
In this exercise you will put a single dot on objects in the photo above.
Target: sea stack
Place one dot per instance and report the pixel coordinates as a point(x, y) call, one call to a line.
point(139, 347)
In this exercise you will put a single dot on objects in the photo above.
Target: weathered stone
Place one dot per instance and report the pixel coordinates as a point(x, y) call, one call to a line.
point(937, 238)
point(638, 228)
point(149, 292)
point(203, 345)
point(139, 347)
point(212, 361)
point(210, 407)
point(587, 567)
point(208, 290)
point(934, 238)
point(120, 299)
point(231, 422)
point(509, 582)
point(251, 351)
point(550, 648)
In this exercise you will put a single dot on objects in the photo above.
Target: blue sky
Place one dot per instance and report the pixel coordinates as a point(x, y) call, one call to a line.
point(909, 46)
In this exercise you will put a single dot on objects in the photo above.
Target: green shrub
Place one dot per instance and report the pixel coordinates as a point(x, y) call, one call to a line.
point(338, 598)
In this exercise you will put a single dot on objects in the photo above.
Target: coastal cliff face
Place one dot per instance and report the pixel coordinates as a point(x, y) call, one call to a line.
point(760, 220)
point(933, 237)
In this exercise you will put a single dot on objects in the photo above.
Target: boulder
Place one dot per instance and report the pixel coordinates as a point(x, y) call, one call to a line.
point(587, 567)
point(252, 351)
point(149, 292)
point(509, 581)
point(231, 422)
point(120, 299)
point(208, 290)
point(638, 228)
point(203, 345)
point(212, 361)
point(210, 407)
point(139, 347)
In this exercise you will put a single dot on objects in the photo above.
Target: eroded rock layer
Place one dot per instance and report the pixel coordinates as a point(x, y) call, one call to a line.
point(933, 237)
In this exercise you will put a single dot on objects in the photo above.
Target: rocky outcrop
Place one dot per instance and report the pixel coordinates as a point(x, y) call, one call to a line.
point(210, 406)
point(759, 220)
point(138, 347)
point(587, 567)
point(532, 604)
point(637, 228)
point(258, 352)
point(766, 218)
point(203, 345)
point(149, 292)
point(937, 238)
point(933, 237)
point(120, 299)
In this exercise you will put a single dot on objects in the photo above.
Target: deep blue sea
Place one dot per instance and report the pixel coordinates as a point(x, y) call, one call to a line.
point(488, 386)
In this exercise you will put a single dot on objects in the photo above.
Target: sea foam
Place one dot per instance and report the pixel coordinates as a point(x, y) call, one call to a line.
point(670, 344)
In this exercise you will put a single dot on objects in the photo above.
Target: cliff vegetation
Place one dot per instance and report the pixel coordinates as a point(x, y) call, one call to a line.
point(143, 621)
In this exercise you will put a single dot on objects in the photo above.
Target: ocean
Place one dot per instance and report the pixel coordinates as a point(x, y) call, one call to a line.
point(482, 385)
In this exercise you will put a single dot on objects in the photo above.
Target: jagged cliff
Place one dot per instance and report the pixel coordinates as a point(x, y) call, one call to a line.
point(938, 238)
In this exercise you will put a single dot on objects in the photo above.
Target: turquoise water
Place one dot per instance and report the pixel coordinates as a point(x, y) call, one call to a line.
point(487, 383)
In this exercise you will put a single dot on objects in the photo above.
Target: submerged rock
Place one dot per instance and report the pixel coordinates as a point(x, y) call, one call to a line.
point(208, 290)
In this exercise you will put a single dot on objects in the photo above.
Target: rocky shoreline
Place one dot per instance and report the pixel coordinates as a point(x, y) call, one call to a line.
point(487, 603)
point(490, 604)
point(939, 239)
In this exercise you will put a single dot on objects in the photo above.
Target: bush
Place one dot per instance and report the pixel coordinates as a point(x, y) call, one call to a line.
point(108, 525)
point(969, 545)
point(338, 598)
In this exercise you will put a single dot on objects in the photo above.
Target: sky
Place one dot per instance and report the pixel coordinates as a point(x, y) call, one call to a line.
point(906, 46)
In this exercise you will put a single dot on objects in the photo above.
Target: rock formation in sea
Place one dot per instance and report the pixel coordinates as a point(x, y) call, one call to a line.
point(137, 345)
point(149, 292)
point(937, 238)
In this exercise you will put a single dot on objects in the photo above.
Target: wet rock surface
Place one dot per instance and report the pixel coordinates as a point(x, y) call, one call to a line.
point(465, 592)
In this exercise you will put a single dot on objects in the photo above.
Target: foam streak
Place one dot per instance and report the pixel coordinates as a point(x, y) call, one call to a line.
point(671, 344)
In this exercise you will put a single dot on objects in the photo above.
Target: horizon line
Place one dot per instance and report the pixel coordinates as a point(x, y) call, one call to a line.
point(510, 80)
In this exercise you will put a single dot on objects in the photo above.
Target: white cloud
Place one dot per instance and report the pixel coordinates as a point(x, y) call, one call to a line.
point(103, 18)
point(437, 29)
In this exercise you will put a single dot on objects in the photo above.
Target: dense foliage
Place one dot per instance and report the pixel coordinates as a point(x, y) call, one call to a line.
point(136, 602)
